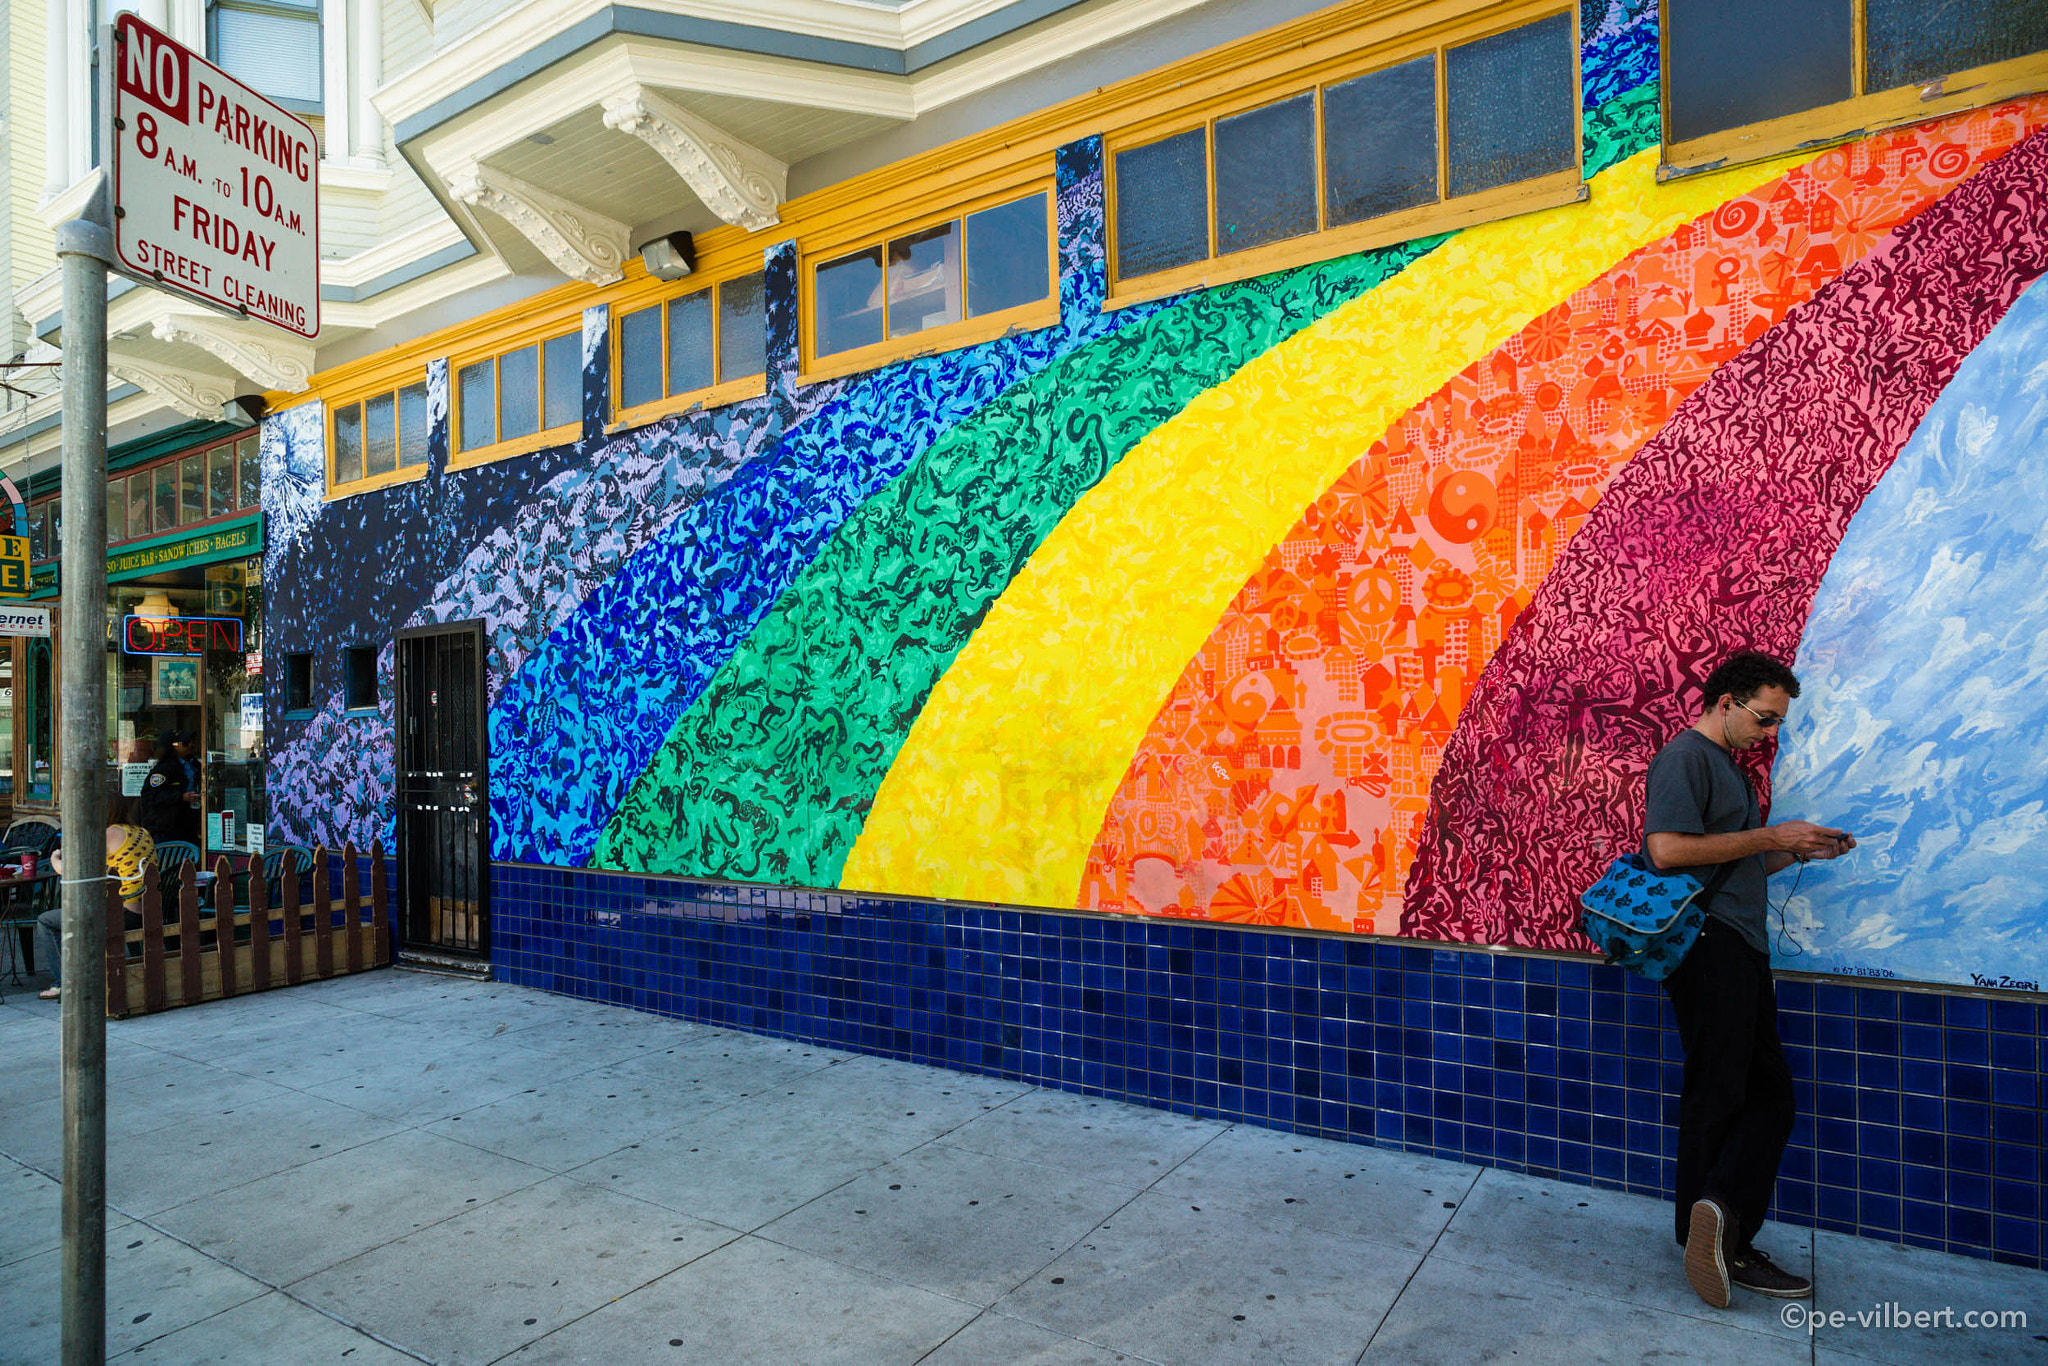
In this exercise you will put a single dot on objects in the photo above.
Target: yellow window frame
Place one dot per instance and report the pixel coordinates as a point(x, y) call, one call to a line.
point(948, 336)
point(537, 337)
point(1445, 214)
point(1862, 114)
point(360, 398)
point(660, 294)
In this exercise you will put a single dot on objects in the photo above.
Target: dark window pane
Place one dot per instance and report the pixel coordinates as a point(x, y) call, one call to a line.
point(359, 678)
point(117, 512)
point(412, 425)
point(689, 342)
point(248, 475)
point(640, 357)
point(220, 481)
point(519, 393)
point(1510, 103)
point(476, 390)
point(348, 444)
point(924, 280)
point(192, 489)
point(562, 363)
point(1909, 41)
point(166, 493)
point(56, 526)
point(1162, 204)
point(138, 504)
point(380, 435)
point(849, 299)
point(1734, 62)
point(1007, 261)
point(1379, 142)
point(1266, 174)
point(743, 327)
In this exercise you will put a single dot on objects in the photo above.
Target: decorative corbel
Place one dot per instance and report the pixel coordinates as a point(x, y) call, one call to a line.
point(582, 244)
point(188, 391)
point(740, 183)
point(271, 362)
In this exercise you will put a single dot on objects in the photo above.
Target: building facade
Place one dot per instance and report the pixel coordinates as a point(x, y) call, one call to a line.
point(1153, 544)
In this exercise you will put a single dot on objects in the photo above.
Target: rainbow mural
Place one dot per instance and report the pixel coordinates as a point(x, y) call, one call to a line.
point(1351, 598)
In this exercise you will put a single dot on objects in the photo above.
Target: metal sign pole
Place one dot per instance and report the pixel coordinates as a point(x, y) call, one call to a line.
point(86, 249)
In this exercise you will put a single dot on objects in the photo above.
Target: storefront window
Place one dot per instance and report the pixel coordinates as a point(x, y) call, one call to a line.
point(39, 705)
point(185, 660)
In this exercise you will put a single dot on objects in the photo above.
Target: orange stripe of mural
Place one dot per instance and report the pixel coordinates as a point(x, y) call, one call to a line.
point(1000, 790)
point(1285, 779)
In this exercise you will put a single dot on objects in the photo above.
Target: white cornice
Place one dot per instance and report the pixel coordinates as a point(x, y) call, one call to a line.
point(352, 271)
point(978, 71)
point(263, 355)
point(393, 304)
point(525, 26)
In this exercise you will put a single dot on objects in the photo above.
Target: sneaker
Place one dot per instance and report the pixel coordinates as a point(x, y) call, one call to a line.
point(48, 994)
point(1706, 1268)
point(1754, 1271)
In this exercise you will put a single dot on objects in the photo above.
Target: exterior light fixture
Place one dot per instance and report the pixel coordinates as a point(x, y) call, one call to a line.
point(669, 258)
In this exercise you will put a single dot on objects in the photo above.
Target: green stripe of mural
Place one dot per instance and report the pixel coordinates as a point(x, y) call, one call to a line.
point(769, 775)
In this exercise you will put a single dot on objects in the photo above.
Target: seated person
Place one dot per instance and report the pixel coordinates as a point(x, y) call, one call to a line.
point(129, 850)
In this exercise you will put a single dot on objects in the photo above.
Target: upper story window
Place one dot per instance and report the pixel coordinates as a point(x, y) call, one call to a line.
point(1444, 131)
point(378, 439)
point(705, 346)
point(521, 398)
point(216, 481)
point(961, 279)
point(272, 45)
point(1745, 79)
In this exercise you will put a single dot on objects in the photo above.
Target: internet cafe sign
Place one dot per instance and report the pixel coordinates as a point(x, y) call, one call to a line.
point(20, 620)
point(214, 186)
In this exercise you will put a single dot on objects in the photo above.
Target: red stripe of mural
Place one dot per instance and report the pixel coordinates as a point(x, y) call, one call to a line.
point(1285, 779)
point(1714, 537)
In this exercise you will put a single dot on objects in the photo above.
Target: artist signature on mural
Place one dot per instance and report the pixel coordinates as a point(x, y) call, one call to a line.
point(2002, 982)
point(1857, 970)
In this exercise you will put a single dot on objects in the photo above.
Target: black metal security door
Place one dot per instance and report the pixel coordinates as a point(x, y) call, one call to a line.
point(443, 779)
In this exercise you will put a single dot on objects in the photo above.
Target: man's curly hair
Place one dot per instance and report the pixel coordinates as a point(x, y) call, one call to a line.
point(1742, 674)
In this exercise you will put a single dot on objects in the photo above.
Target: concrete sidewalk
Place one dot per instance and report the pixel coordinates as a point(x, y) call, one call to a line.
point(394, 1167)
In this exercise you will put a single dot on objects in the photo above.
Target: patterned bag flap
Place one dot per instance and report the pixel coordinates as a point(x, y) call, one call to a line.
point(1637, 898)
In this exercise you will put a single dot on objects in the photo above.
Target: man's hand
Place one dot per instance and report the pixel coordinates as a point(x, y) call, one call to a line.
point(1804, 839)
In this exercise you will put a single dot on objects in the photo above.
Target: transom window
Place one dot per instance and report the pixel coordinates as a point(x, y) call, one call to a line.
point(993, 265)
point(520, 399)
point(223, 479)
point(378, 439)
point(1483, 126)
point(1745, 79)
point(695, 347)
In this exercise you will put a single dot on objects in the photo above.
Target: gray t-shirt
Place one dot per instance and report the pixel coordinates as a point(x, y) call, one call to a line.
point(1694, 788)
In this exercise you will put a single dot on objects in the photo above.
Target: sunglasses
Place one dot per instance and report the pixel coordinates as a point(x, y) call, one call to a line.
point(1766, 721)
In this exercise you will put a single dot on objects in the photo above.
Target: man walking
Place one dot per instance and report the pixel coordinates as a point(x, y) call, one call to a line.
point(1736, 1109)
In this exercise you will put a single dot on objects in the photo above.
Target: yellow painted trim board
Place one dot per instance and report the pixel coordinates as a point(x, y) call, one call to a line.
point(999, 790)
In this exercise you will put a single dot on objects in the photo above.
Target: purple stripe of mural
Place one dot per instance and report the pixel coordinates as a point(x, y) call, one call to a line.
point(1715, 537)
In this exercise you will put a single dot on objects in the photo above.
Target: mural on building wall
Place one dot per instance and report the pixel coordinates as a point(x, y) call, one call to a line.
point(1352, 597)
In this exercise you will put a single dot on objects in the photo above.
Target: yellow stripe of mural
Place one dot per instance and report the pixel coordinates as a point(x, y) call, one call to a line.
point(999, 791)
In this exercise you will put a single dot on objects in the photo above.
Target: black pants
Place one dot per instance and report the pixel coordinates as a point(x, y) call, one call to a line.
point(1735, 1112)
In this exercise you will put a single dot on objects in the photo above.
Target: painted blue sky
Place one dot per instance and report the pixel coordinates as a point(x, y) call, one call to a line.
point(1923, 721)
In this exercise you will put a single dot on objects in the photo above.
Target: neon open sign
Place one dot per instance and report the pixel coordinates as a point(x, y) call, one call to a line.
point(180, 635)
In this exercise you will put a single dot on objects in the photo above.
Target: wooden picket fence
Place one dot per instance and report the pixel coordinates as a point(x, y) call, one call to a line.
point(144, 975)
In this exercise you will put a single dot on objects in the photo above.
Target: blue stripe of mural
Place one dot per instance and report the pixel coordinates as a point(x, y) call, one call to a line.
point(592, 704)
point(1617, 49)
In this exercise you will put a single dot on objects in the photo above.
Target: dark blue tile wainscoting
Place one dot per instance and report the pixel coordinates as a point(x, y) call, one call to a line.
point(1920, 1111)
